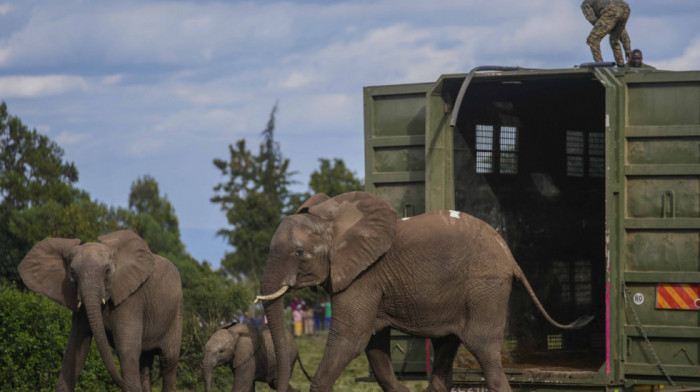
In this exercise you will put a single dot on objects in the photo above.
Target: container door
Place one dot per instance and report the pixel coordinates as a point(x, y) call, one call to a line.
point(395, 121)
point(395, 145)
point(659, 243)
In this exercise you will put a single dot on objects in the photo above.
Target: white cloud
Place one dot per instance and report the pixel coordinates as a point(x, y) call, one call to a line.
point(399, 53)
point(689, 60)
point(40, 86)
point(43, 128)
point(143, 33)
point(558, 26)
point(5, 8)
point(297, 79)
point(67, 138)
point(112, 79)
point(145, 145)
point(4, 55)
point(324, 113)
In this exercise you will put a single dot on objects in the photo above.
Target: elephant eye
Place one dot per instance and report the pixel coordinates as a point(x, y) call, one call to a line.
point(299, 253)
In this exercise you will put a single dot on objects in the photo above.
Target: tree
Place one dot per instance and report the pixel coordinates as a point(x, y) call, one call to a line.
point(153, 218)
point(37, 194)
point(334, 179)
point(329, 179)
point(32, 169)
point(83, 218)
point(34, 333)
point(254, 197)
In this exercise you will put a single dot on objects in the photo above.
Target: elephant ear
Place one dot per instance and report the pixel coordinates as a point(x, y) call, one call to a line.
point(133, 262)
point(364, 227)
point(45, 270)
point(313, 200)
point(247, 342)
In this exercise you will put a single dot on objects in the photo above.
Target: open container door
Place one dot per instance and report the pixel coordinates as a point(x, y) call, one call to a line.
point(395, 145)
point(528, 156)
point(659, 238)
point(395, 121)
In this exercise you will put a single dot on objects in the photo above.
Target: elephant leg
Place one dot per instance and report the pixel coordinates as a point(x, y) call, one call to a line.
point(445, 351)
point(378, 353)
point(244, 377)
point(145, 365)
point(340, 350)
point(484, 338)
point(76, 353)
point(168, 368)
point(490, 361)
point(129, 352)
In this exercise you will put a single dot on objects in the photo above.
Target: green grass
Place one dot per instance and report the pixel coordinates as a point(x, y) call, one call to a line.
point(311, 350)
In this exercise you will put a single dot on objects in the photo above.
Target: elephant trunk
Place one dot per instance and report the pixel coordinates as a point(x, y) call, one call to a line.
point(207, 368)
point(93, 307)
point(274, 310)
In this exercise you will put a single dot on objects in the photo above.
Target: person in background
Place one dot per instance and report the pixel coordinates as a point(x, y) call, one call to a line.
point(294, 302)
point(319, 311)
point(327, 306)
point(608, 17)
point(308, 322)
point(297, 318)
point(635, 63)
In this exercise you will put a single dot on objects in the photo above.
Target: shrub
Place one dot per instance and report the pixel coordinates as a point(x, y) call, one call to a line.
point(33, 337)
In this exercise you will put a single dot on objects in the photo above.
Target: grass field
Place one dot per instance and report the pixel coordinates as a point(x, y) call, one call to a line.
point(311, 350)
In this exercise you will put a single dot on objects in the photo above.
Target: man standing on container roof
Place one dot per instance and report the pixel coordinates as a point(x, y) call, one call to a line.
point(608, 17)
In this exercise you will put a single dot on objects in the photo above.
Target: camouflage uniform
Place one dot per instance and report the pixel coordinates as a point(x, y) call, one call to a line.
point(608, 17)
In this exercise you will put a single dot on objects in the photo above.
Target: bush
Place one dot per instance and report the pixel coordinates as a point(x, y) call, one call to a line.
point(33, 337)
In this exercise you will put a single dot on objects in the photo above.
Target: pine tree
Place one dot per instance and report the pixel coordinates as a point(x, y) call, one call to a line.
point(254, 197)
point(334, 179)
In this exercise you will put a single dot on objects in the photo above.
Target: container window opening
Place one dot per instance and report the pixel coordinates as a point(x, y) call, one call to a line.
point(505, 158)
point(529, 160)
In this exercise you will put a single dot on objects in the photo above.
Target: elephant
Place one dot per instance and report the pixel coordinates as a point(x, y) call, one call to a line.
point(443, 275)
point(132, 303)
point(249, 352)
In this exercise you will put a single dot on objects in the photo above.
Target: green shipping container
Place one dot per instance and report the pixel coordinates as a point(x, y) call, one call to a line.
point(592, 175)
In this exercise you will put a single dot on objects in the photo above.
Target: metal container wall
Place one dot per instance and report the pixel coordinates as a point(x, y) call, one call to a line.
point(660, 232)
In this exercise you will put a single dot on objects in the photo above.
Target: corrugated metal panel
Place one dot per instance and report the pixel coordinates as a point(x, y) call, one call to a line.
point(395, 119)
point(662, 224)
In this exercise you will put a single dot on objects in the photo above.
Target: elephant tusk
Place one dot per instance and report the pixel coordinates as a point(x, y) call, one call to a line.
point(272, 296)
point(79, 305)
point(103, 301)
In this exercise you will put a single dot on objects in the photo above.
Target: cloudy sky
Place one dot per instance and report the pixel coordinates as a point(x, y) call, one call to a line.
point(131, 88)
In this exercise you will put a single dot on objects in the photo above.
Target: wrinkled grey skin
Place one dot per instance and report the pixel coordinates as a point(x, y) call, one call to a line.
point(441, 275)
point(249, 352)
point(119, 292)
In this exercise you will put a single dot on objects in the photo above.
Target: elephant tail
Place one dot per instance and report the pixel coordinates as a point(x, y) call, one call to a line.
point(303, 370)
point(578, 323)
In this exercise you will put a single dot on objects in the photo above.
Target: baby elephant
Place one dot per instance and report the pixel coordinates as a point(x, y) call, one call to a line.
point(250, 354)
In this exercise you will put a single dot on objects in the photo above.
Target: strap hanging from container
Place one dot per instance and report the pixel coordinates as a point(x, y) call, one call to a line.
point(468, 79)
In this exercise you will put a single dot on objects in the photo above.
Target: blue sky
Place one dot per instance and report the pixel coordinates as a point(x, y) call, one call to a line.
point(162, 88)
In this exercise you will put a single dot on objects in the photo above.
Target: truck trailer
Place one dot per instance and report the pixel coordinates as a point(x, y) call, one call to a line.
point(592, 176)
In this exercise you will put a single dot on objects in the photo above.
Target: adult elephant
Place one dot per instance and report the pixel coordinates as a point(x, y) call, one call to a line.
point(442, 275)
point(133, 302)
point(249, 352)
